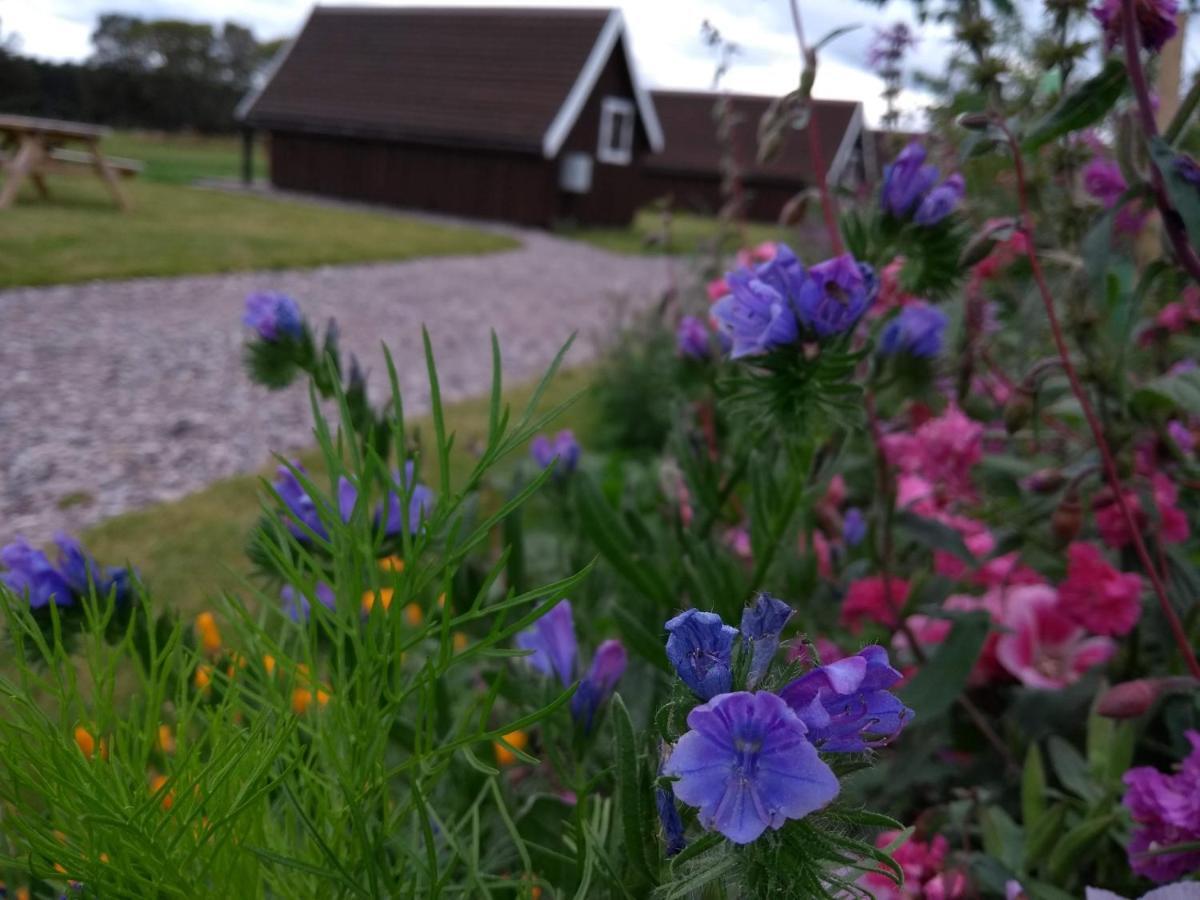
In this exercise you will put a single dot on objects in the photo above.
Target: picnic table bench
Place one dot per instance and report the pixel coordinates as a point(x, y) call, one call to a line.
point(34, 147)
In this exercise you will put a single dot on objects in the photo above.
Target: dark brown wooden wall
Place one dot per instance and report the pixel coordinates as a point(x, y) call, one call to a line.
point(702, 193)
point(480, 184)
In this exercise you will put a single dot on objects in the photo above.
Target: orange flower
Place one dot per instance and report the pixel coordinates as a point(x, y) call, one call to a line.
point(269, 665)
point(85, 741)
point(157, 783)
point(517, 739)
point(460, 642)
point(413, 614)
point(301, 699)
point(392, 564)
point(385, 598)
point(166, 739)
point(210, 637)
point(203, 677)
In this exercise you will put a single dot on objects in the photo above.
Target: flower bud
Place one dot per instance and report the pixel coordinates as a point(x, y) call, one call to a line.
point(1067, 519)
point(1019, 409)
point(1133, 698)
point(1045, 481)
point(974, 121)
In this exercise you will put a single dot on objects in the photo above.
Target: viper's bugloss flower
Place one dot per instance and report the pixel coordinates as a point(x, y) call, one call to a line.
point(562, 447)
point(30, 573)
point(762, 624)
point(854, 527)
point(748, 765)
point(917, 331)
point(552, 640)
point(297, 605)
point(755, 317)
point(836, 294)
point(302, 510)
point(273, 316)
point(608, 665)
point(691, 338)
point(700, 648)
point(847, 705)
point(906, 181)
point(941, 201)
point(1188, 169)
point(420, 503)
point(1156, 22)
point(672, 823)
point(1166, 812)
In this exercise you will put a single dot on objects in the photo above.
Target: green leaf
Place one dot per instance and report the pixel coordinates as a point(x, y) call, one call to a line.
point(1169, 394)
point(1185, 196)
point(1072, 770)
point(942, 678)
point(1033, 788)
point(1079, 844)
point(933, 534)
point(1084, 106)
point(625, 748)
point(1040, 838)
point(1002, 837)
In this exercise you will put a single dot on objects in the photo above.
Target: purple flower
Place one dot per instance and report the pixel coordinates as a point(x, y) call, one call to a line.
point(273, 316)
point(672, 824)
point(854, 527)
point(691, 338)
point(906, 181)
point(1156, 22)
point(916, 331)
point(298, 607)
point(762, 624)
point(846, 704)
point(700, 648)
point(301, 507)
point(1166, 812)
point(1102, 179)
point(608, 665)
point(420, 503)
point(30, 573)
point(747, 765)
point(1182, 436)
point(757, 313)
point(1187, 169)
point(564, 447)
point(837, 292)
point(552, 640)
point(941, 201)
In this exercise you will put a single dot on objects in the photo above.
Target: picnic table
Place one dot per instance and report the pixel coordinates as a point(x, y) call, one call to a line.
point(32, 148)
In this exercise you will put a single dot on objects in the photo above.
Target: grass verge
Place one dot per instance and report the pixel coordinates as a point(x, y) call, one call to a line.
point(688, 233)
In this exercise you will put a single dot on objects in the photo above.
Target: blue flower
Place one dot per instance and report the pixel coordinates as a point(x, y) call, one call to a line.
point(747, 765)
point(700, 647)
point(917, 330)
point(298, 607)
point(691, 338)
point(906, 181)
point(846, 704)
point(608, 665)
point(941, 201)
point(836, 294)
point(301, 507)
point(420, 503)
point(563, 447)
point(757, 313)
point(30, 573)
point(552, 640)
point(762, 624)
point(668, 816)
point(273, 316)
point(854, 527)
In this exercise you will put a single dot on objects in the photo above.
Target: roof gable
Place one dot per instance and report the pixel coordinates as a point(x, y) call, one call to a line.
point(504, 78)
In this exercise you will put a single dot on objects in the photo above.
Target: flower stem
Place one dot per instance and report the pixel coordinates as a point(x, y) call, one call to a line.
point(1110, 466)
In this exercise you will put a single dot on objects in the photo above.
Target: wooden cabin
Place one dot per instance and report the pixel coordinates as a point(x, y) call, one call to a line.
point(530, 116)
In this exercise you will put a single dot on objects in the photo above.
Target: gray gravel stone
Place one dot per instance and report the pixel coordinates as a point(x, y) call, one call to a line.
point(122, 394)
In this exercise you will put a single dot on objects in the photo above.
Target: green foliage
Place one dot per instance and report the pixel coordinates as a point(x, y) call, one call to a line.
point(1085, 105)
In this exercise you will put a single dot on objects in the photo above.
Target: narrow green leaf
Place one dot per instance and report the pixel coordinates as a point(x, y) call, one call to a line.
point(1078, 845)
point(625, 748)
point(1041, 838)
point(939, 682)
point(1033, 788)
point(1085, 105)
point(1184, 195)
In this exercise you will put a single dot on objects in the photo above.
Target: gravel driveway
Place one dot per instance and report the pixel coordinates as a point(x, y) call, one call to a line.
point(122, 394)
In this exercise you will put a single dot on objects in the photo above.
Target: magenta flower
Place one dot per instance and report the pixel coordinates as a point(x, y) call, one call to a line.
point(1156, 22)
point(1171, 522)
point(1043, 647)
point(868, 599)
point(748, 766)
point(847, 705)
point(552, 640)
point(1096, 595)
point(1166, 812)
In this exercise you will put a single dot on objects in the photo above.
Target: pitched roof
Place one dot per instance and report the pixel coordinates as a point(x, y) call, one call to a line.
point(495, 77)
point(692, 146)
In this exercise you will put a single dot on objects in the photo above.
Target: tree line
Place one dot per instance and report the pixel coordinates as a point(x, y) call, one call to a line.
point(163, 74)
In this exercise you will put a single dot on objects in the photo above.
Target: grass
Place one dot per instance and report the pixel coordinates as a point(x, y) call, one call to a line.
point(78, 235)
point(192, 549)
point(183, 158)
point(689, 232)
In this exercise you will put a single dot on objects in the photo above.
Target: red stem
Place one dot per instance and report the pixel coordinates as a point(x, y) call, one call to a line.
point(1175, 229)
point(1110, 465)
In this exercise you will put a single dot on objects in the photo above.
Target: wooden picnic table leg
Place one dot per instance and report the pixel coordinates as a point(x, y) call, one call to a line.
point(26, 161)
point(107, 175)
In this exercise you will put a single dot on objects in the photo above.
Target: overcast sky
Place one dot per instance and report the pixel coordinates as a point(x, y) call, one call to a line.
point(665, 35)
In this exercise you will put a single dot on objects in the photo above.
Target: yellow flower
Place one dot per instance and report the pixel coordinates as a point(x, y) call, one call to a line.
point(210, 636)
point(384, 596)
point(392, 564)
point(506, 757)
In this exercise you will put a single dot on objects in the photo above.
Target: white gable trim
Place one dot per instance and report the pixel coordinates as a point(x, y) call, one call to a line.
point(854, 130)
point(572, 107)
point(247, 103)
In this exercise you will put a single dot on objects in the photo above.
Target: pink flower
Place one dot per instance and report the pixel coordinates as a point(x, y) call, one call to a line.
point(922, 862)
point(738, 540)
point(1043, 647)
point(717, 288)
point(1172, 523)
point(947, 886)
point(941, 452)
point(1097, 596)
point(891, 294)
point(867, 600)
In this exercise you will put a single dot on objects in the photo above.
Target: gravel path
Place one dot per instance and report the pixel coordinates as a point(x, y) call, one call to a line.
point(122, 394)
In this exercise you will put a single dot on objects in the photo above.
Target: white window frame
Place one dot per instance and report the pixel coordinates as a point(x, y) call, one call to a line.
point(617, 120)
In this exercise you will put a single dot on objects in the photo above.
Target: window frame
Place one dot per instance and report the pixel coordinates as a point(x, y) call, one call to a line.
point(615, 147)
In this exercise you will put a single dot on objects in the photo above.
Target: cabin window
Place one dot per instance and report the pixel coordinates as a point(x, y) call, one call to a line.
point(616, 131)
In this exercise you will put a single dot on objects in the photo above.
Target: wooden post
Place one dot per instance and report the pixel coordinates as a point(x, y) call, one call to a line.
point(248, 157)
point(25, 162)
point(107, 175)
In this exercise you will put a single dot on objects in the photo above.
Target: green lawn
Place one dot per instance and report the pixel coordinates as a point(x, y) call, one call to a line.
point(183, 158)
point(190, 550)
point(689, 233)
point(78, 235)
